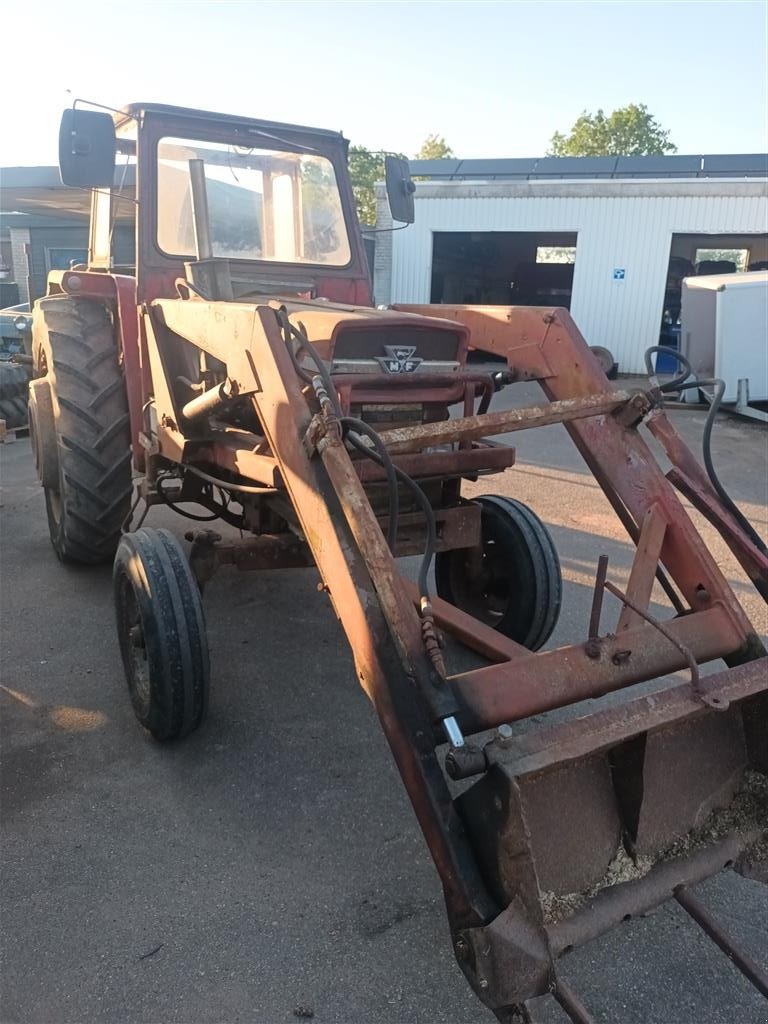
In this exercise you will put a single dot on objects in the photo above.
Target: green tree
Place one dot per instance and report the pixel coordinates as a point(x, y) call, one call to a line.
point(628, 131)
point(365, 169)
point(434, 147)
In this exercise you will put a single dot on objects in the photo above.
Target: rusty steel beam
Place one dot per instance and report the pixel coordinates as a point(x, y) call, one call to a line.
point(535, 683)
point(691, 480)
point(620, 902)
point(571, 1002)
point(354, 591)
point(469, 462)
point(474, 428)
point(644, 566)
point(456, 528)
point(475, 635)
point(696, 909)
point(752, 560)
point(538, 749)
point(265, 551)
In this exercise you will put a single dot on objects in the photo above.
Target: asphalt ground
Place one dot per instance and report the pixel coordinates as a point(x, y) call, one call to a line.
point(269, 866)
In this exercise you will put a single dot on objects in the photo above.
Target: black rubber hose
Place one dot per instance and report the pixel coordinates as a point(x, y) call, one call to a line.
point(291, 333)
point(361, 427)
point(706, 444)
point(381, 456)
point(671, 385)
point(681, 383)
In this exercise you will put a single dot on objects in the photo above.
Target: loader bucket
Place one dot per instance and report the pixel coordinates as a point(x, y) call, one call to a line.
point(584, 824)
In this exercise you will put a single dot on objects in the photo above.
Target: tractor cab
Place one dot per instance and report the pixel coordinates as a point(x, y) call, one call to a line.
point(234, 206)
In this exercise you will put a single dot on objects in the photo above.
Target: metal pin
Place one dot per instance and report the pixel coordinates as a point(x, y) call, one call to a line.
point(452, 731)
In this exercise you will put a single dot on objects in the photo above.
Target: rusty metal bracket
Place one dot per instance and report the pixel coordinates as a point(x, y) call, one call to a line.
point(314, 434)
point(592, 647)
point(713, 701)
point(634, 411)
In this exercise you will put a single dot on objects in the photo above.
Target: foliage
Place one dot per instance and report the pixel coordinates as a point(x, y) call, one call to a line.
point(365, 169)
point(628, 131)
point(434, 147)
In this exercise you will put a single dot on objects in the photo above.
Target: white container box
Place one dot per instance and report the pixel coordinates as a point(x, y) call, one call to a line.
point(724, 330)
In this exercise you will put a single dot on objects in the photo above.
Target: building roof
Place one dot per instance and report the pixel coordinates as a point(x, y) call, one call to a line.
point(718, 165)
point(39, 191)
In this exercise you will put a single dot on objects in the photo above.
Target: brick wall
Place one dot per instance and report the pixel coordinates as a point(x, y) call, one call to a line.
point(19, 238)
point(382, 264)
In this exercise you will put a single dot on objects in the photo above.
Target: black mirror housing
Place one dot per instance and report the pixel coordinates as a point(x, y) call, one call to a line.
point(87, 149)
point(400, 189)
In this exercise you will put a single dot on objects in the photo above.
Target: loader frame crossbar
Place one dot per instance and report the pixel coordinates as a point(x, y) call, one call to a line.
point(379, 610)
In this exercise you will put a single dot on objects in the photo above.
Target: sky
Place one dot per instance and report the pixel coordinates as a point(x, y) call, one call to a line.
point(495, 79)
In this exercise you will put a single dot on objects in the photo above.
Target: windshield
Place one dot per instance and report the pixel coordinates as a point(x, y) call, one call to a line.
point(263, 204)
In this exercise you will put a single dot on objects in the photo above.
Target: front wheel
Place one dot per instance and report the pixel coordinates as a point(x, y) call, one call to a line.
point(511, 580)
point(161, 629)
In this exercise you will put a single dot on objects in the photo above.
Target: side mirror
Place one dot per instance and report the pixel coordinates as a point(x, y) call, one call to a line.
point(87, 149)
point(400, 188)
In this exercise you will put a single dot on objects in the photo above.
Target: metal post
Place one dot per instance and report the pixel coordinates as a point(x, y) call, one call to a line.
point(200, 210)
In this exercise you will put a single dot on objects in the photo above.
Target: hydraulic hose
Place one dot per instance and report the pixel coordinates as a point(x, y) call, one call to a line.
point(682, 383)
point(296, 343)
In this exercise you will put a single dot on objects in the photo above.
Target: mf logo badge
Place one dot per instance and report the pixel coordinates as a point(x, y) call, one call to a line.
point(399, 359)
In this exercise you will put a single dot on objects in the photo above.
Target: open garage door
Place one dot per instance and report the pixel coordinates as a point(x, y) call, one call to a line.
point(526, 268)
point(692, 255)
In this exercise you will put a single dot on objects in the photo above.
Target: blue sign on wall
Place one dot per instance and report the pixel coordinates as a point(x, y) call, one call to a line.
point(619, 273)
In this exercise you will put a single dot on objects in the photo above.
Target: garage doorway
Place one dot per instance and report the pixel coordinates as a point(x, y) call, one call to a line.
point(525, 268)
point(699, 255)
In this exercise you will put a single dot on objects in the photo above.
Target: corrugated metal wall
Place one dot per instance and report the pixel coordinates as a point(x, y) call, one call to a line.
point(619, 231)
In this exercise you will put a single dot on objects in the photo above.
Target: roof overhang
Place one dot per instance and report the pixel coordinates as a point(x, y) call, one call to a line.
point(38, 191)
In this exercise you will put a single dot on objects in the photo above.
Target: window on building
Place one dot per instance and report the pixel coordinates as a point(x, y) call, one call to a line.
point(62, 259)
point(739, 257)
point(556, 254)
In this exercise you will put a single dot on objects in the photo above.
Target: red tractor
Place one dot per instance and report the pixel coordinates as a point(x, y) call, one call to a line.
point(219, 351)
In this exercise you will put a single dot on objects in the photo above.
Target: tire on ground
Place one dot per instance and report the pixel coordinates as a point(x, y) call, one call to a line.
point(14, 380)
point(74, 347)
point(161, 629)
point(513, 581)
point(605, 358)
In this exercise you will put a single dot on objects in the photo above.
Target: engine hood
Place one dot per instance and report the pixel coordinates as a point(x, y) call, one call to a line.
point(358, 339)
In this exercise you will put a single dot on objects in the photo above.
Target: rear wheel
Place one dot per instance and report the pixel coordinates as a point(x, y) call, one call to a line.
point(161, 629)
point(13, 395)
point(512, 579)
point(79, 427)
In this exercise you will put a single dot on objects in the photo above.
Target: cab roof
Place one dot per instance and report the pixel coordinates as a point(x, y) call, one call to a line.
point(133, 110)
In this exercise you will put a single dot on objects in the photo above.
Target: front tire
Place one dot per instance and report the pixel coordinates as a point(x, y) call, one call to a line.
point(161, 629)
point(74, 351)
point(512, 580)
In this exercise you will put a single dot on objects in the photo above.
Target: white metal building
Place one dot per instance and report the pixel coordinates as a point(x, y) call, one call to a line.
point(630, 227)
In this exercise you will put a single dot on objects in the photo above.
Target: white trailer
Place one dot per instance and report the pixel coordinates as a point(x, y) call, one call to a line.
point(724, 333)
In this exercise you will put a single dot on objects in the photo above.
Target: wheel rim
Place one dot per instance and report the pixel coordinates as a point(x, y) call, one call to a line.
point(133, 638)
point(55, 499)
point(511, 580)
point(479, 577)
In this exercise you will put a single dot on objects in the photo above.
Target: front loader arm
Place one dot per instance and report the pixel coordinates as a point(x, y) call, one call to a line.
point(548, 810)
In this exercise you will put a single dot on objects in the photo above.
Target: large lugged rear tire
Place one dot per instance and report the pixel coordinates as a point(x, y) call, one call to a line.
point(13, 394)
point(74, 349)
